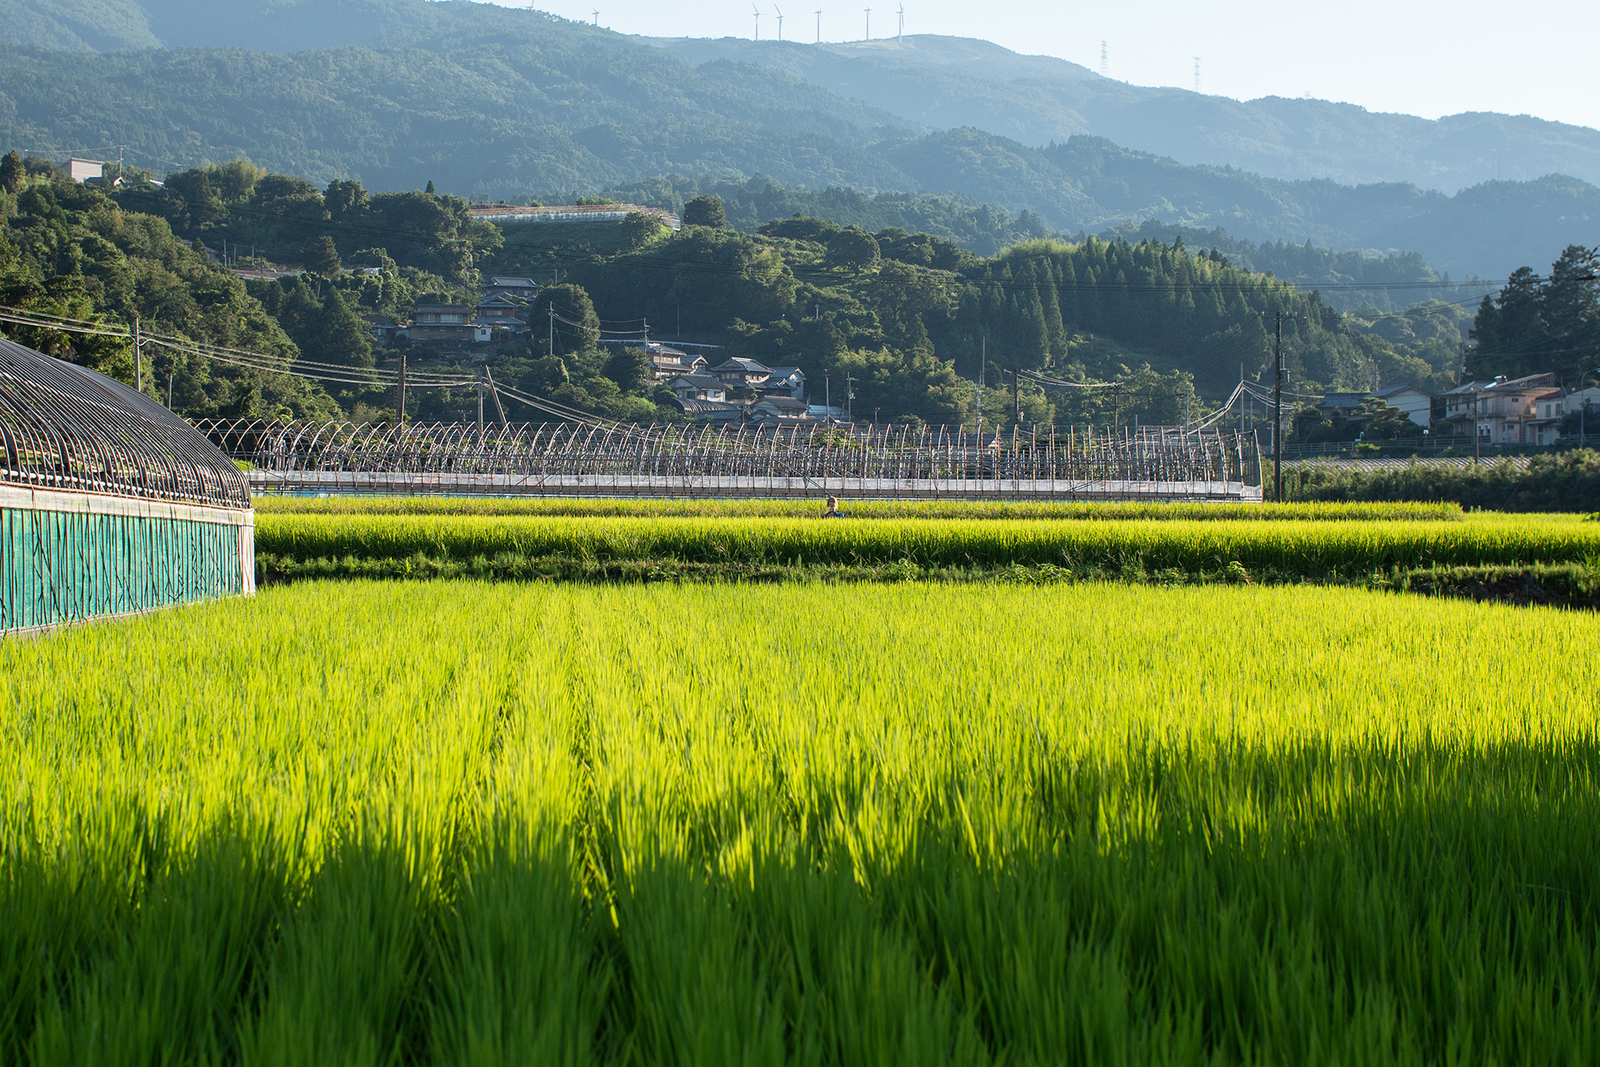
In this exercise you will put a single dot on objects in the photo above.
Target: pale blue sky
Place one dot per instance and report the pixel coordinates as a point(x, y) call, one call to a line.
point(1427, 59)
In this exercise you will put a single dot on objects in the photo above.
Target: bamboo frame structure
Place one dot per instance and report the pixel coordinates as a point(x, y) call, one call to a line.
point(809, 460)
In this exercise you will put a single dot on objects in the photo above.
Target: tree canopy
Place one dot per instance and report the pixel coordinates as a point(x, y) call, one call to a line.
point(1536, 325)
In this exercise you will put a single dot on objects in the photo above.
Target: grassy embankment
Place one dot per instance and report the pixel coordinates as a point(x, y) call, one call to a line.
point(462, 823)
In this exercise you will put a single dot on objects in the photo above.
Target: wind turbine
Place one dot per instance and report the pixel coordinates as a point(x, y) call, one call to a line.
point(779, 10)
point(869, 23)
point(597, 16)
point(757, 10)
point(819, 25)
point(901, 35)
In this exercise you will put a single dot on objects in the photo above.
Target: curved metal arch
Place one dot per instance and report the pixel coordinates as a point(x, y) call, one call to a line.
point(69, 428)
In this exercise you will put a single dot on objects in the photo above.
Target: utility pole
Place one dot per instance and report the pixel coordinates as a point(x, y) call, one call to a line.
point(138, 357)
point(498, 407)
point(850, 397)
point(400, 386)
point(552, 329)
point(983, 361)
point(1277, 411)
point(1016, 397)
point(1477, 431)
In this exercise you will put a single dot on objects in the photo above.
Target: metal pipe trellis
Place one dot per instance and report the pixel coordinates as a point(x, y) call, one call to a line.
point(567, 458)
point(67, 428)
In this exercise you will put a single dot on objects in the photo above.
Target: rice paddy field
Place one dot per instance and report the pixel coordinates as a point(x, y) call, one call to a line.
point(472, 823)
point(1307, 544)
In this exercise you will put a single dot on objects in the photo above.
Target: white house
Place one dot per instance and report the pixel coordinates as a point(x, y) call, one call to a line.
point(785, 381)
point(1416, 404)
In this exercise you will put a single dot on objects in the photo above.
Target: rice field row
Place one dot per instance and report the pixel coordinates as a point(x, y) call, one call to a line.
point(1302, 547)
point(458, 823)
point(867, 509)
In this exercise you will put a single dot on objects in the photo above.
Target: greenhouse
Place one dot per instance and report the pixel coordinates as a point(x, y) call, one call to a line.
point(109, 503)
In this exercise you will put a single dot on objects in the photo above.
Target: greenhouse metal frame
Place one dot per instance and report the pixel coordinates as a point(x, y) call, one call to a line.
point(109, 503)
point(675, 460)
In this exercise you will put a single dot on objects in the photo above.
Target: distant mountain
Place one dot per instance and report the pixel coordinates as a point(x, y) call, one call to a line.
point(923, 80)
point(946, 82)
point(513, 104)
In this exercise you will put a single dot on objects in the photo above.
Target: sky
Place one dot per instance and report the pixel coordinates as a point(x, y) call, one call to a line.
point(1427, 59)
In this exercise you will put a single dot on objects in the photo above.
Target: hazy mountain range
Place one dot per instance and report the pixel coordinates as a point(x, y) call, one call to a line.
point(515, 104)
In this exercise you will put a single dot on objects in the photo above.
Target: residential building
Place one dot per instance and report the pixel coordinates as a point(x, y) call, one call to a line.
point(1498, 412)
point(746, 373)
point(1544, 428)
point(1416, 404)
point(670, 362)
point(384, 331)
point(1555, 406)
point(1340, 405)
point(698, 387)
point(785, 381)
point(517, 288)
point(499, 310)
point(442, 322)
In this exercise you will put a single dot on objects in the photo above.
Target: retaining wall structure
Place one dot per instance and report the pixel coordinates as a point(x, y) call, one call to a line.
point(109, 504)
point(576, 459)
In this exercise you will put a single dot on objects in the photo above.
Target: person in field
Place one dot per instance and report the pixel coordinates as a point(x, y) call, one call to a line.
point(833, 509)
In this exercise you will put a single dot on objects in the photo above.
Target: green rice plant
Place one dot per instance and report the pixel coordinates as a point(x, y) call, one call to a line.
point(459, 822)
point(866, 509)
point(1295, 546)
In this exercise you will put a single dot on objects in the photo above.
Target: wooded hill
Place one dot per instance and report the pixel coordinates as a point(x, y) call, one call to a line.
point(909, 317)
point(927, 81)
point(517, 105)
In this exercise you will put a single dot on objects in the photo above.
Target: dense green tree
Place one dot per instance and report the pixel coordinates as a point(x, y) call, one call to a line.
point(577, 327)
point(344, 199)
point(12, 172)
point(544, 376)
point(342, 335)
point(638, 228)
point(851, 248)
point(631, 369)
point(705, 211)
point(320, 257)
point(1536, 326)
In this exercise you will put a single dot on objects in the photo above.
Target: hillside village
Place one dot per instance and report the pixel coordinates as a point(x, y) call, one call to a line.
point(805, 322)
point(1532, 410)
